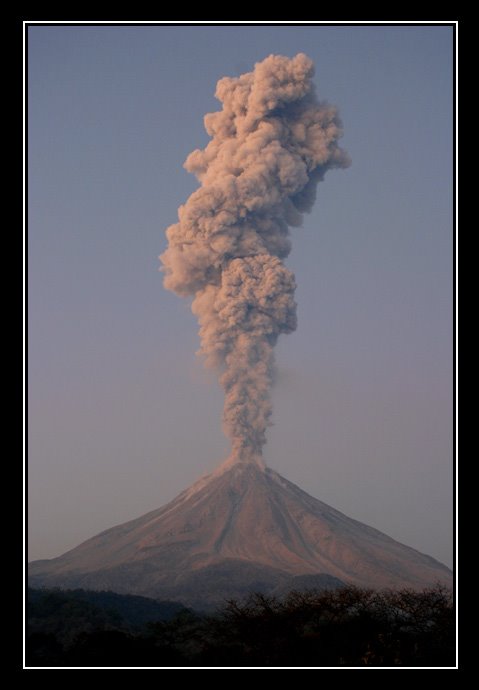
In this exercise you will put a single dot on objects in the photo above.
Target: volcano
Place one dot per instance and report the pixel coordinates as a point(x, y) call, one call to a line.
point(242, 528)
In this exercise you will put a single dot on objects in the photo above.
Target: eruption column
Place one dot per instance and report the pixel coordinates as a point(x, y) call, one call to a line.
point(271, 144)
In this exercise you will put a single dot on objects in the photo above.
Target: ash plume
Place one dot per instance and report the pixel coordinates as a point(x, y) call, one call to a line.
point(271, 144)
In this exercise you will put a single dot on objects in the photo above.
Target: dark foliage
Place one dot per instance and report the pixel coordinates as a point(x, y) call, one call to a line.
point(342, 627)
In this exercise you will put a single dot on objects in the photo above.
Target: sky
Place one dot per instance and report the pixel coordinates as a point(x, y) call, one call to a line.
point(122, 416)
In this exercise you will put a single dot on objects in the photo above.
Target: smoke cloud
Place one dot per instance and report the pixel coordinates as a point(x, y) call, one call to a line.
point(271, 144)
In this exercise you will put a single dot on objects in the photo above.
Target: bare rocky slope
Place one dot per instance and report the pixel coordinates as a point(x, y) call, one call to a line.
point(239, 529)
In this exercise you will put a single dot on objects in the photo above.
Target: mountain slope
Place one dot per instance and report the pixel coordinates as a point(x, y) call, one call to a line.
point(243, 527)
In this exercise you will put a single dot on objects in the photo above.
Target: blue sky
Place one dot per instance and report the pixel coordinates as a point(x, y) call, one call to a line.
point(122, 416)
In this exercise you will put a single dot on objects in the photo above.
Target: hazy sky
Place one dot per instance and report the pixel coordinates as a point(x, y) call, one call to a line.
point(122, 416)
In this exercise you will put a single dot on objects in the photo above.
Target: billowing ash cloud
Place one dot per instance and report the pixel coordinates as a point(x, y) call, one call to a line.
point(271, 144)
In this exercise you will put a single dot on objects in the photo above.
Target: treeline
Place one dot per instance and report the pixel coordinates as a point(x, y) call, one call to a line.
point(343, 627)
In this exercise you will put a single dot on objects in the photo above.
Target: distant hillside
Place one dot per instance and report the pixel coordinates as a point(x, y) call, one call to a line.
point(65, 613)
